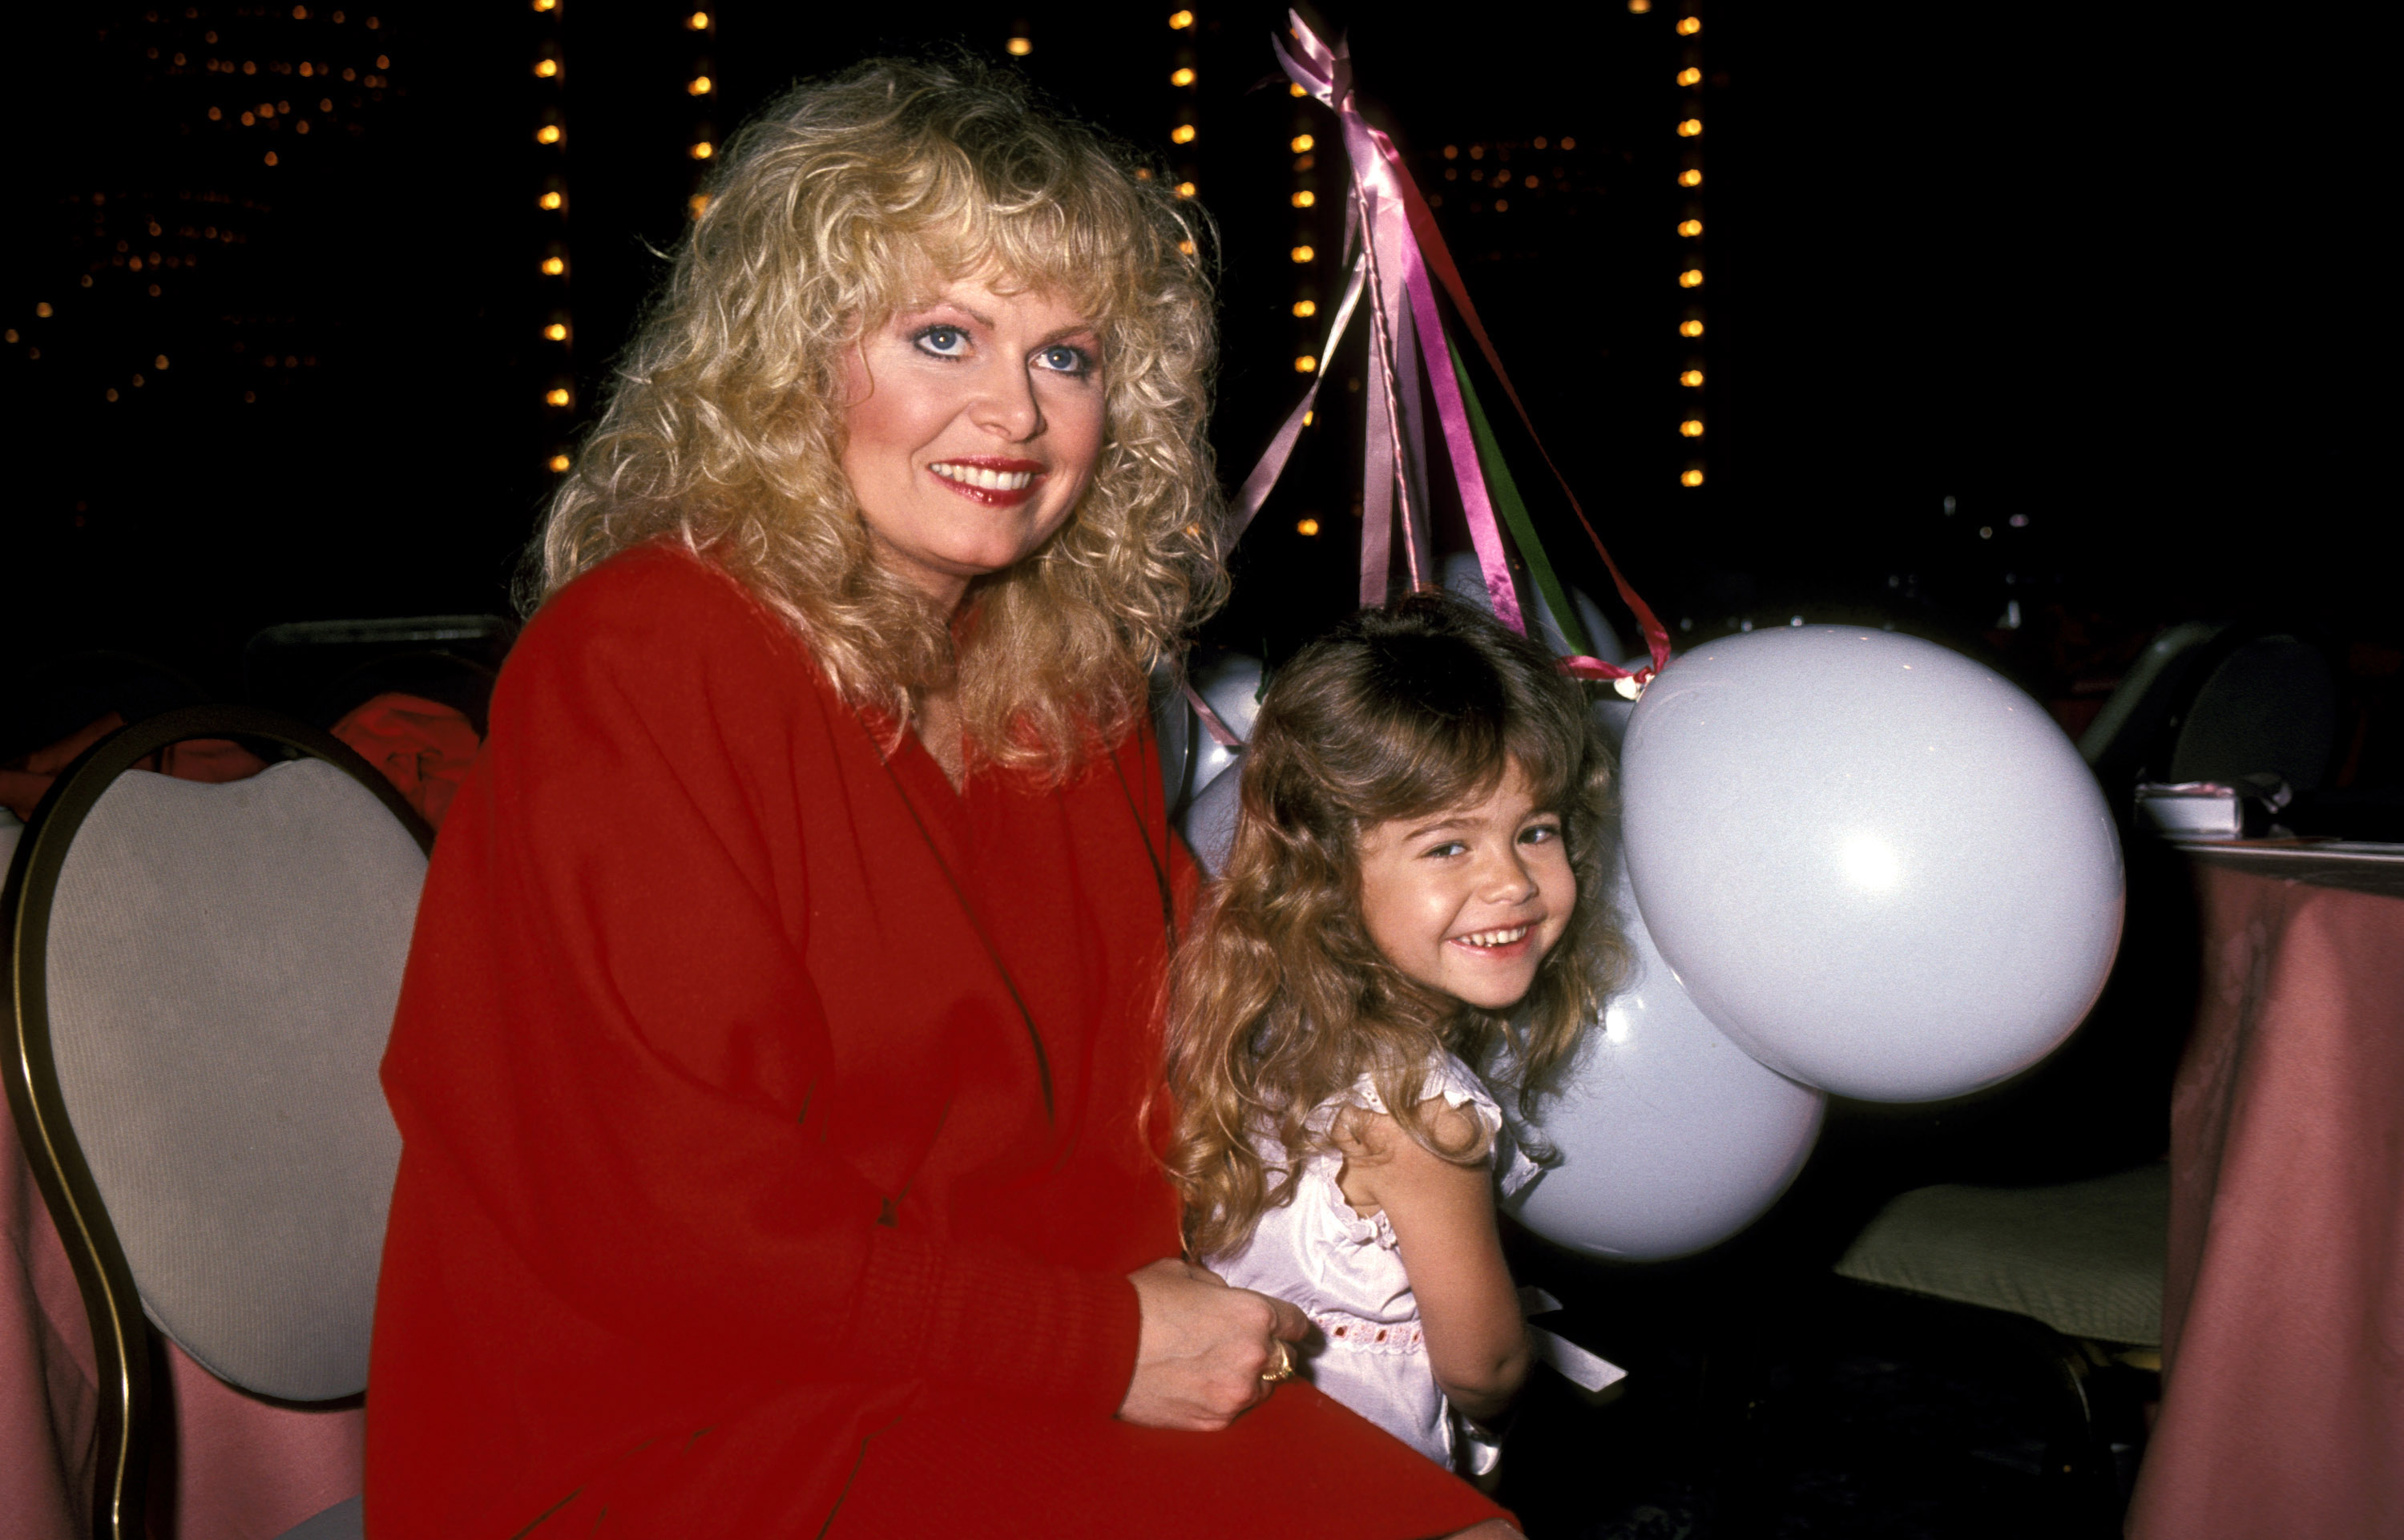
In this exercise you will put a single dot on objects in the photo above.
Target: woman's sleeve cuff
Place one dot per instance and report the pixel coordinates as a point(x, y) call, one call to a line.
point(933, 1311)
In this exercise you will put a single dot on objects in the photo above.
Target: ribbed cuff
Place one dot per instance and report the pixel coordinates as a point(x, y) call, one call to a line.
point(926, 1311)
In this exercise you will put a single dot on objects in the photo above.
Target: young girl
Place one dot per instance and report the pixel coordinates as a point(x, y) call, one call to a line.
point(1416, 888)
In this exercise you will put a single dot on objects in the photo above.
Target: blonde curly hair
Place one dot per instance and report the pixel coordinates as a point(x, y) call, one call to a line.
point(849, 200)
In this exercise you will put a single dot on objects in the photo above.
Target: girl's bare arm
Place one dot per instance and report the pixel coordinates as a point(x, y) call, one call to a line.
point(1442, 1216)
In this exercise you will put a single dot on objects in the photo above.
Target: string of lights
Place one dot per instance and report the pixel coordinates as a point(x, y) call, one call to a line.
point(1690, 234)
point(266, 80)
point(1183, 130)
point(1501, 178)
point(1182, 83)
point(551, 133)
point(1303, 198)
point(700, 85)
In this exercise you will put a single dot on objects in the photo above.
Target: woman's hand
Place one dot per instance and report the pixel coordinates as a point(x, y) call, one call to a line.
point(1205, 1347)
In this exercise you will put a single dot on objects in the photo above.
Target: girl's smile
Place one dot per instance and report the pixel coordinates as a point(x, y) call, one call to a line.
point(1470, 900)
point(1508, 943)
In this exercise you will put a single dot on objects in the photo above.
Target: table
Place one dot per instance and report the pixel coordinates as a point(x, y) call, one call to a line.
point(2283, 1310)
point(241, 1468)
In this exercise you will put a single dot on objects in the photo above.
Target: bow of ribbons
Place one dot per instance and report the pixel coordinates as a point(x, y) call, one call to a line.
point(1398, 260)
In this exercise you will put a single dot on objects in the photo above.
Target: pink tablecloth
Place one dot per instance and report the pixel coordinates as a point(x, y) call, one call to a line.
point(2283, 1314)
point(240, 1469)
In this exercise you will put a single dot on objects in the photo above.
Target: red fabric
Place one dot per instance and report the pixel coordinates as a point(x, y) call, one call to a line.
point(729, 1200)
point(213, 760)
point(25, 780)
point(423, 748)
point(2282, 1313)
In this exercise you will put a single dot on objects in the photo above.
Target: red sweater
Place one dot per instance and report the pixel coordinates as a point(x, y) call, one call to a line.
point(768, 1108)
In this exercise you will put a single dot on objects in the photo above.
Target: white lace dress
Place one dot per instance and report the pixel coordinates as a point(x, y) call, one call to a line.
point(1347, 1275)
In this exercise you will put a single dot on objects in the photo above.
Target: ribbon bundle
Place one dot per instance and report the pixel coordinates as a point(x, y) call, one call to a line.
point(1402, 258)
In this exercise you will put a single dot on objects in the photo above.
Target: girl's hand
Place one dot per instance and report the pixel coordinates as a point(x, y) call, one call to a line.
point(1205, 1347)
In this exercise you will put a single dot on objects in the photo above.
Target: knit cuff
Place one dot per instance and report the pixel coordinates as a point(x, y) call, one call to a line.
point(927, 1310)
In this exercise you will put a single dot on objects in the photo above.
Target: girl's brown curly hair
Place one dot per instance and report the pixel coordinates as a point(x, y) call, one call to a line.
point(1279, 999)
point(844, 203)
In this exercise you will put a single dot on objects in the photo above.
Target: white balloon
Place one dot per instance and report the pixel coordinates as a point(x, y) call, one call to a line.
point(1670, 1138)
point(1877, 866)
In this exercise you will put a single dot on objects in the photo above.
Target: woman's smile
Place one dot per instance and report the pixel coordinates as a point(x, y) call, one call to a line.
point(994, 481)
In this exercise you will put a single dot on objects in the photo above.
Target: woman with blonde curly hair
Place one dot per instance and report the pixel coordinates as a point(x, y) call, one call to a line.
point(785, 996)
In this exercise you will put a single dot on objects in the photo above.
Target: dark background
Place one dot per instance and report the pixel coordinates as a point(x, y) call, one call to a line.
point(2096, 278)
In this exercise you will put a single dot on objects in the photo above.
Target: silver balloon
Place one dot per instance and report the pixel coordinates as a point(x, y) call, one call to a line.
point(1174, 727)
point(1611, 709)
point(1670, 1138)
point(1466, 580)
point(1230, 683)
point(1208, 822)
point(1611, 714)
point(1877, 866)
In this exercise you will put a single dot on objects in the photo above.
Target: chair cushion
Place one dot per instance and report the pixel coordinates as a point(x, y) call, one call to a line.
point(2085, 1257)
point(223, 963)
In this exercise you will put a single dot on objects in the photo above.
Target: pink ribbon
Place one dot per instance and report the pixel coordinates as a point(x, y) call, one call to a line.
point(1460, 446)
point(1395, 451)
point(1378, 464)
point(1403, 248)
point(1256, 487)
point(1394, 257)
point(1212, 723)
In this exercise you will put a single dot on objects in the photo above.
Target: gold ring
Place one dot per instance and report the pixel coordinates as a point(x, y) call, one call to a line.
point(1284, 1370)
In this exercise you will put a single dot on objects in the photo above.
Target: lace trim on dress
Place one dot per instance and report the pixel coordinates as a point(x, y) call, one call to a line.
point(1450, 1078)
point(1445, 1076)
point(1364, 1335)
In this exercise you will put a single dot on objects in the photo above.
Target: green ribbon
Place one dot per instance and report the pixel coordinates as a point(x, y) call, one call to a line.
point(1515, 514)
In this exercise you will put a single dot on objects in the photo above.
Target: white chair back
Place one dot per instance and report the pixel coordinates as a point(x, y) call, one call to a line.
point(222, 964)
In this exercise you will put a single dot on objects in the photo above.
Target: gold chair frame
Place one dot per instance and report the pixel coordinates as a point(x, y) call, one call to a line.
point(120, 1333)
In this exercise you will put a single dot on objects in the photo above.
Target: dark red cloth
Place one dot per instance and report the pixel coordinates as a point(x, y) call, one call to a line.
point(729, 1201)
point(2283, 1310)
point(26, 779)
point(423, 747)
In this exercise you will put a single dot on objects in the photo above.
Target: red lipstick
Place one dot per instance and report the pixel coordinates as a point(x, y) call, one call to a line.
point(996, 465)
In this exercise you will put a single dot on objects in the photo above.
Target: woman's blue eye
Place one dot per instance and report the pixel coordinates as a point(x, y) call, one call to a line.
point(945, 341)
point(1063, 359)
